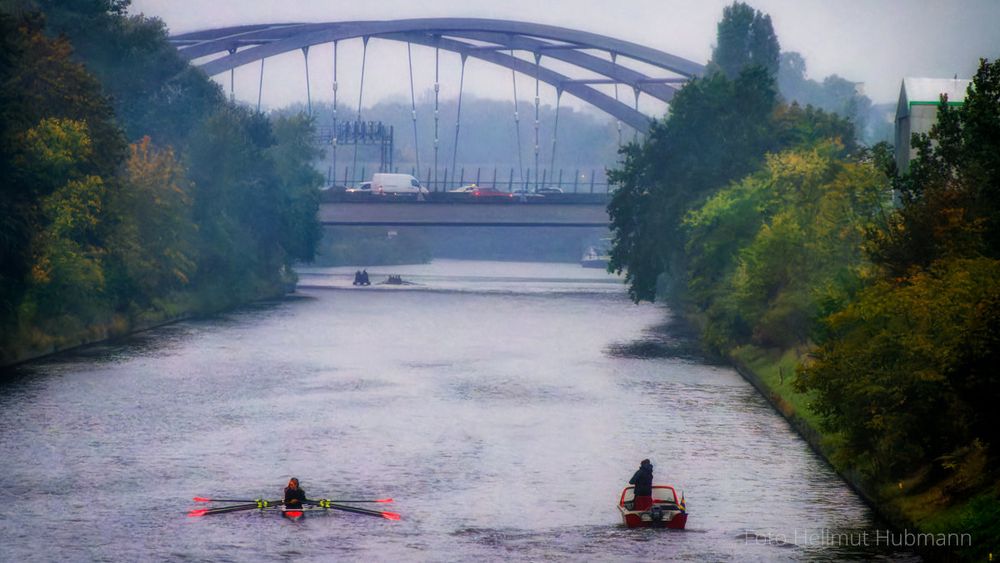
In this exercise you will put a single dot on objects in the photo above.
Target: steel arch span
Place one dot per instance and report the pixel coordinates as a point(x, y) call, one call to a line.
point(489, 40)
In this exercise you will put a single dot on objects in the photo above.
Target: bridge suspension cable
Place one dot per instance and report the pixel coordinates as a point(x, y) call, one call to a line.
point(458, 118)
point(232, 78)
point(618, 122)
point(635, 133)
point(538, 59)
point(517, 124)
point(555, 133)
point(260, 86)
point(361, 92)
point(413, 110)
point(437, 91)
point(334, 140)
point(309, 101)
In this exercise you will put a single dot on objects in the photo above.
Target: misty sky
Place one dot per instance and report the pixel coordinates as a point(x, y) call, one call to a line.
point(869, 41)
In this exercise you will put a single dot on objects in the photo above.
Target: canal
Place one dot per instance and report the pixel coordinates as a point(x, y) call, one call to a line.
point(503, 406)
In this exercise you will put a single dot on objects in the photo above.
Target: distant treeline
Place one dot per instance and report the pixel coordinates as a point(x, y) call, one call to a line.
point(776, 232)
point(132, 190)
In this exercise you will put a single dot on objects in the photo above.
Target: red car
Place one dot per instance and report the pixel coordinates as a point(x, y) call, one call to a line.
point(490, 192)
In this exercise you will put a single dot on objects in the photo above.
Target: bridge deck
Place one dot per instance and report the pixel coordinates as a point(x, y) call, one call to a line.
point(463, 215)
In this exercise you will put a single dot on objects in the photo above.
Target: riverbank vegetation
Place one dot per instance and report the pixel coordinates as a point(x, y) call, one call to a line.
point(133, 191)
point(873, 321)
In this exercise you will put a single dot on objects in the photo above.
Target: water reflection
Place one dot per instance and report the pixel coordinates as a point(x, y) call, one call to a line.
point(502, 413)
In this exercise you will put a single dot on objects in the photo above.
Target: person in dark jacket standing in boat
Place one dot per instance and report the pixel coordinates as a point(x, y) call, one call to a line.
point(294, 496)
point(643, 481)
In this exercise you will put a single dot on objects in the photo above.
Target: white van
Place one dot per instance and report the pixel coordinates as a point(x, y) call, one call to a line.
point(396, 184)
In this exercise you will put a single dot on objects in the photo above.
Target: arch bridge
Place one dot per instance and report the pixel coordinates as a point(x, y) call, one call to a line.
point(493, 41)
point(534, 50)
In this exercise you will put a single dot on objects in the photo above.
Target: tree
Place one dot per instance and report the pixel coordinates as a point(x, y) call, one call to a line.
point(774, 253)
point(155, 91)
point(745, 38)
point(66, 248)
point(151, 250)
point(293, 155)
point(46, 95)
point(717, 130)
point(908, 373)
point(951, 195)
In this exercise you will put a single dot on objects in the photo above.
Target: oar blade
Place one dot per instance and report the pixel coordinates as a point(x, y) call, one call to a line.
point(390, 516)
point(198, 512)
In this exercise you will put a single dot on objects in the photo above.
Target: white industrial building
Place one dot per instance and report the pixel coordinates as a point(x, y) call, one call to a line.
point(918, 107)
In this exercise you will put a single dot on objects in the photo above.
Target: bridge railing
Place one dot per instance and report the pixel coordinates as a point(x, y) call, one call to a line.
point(508, 179)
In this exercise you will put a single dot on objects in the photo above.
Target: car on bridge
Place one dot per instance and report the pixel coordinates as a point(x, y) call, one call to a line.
point(362, 188)
point(466, 189)
point(397, 185)
point(484, 192)
point(549, 190)
point(527, 194)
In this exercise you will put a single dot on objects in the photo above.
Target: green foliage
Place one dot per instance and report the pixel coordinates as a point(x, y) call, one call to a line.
point(54, 121)
point(66, 249)
point(771, 254)
point(982, 520)
point(796, 126)
point(152, 246)
point(908, 371)
point(745, 38)
point(255, 197)
point(89, 233)
point(718, 130)
point(293, 155)
point(66, 275)
point(951, 195)
point(154, 89)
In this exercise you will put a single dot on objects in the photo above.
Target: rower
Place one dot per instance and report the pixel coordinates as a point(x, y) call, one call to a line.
point(643, 481)
point(294, 496)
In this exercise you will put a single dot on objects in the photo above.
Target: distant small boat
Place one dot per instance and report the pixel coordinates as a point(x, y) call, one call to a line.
point(667, 511)
point(591, 259)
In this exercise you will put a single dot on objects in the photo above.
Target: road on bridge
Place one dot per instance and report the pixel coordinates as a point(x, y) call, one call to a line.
point(463, 215)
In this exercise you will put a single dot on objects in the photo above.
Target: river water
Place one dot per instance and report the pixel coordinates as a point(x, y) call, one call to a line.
point(503, 406)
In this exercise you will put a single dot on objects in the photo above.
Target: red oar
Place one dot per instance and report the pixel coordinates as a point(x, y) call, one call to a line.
point(329, 504)
point(209, 511)
point(205, 499)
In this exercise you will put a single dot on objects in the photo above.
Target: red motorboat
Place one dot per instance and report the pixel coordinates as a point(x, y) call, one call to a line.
point(667, 511)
